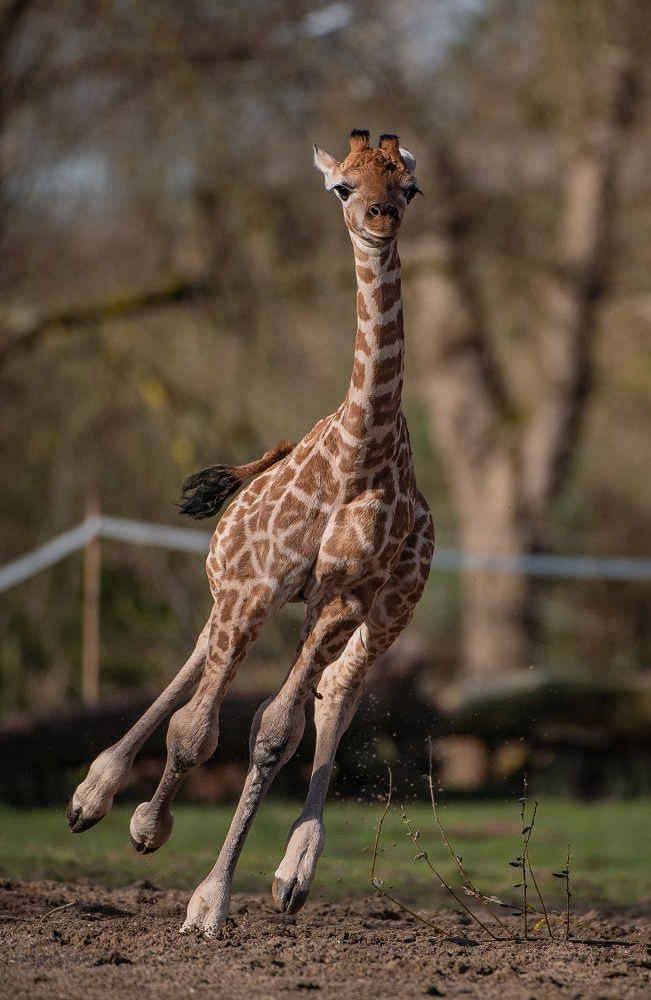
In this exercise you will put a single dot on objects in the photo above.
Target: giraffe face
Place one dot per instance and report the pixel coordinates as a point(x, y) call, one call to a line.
point(374, 186)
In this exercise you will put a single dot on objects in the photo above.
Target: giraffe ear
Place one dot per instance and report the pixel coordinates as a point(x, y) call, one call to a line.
point(326, 164)
point(408, 159)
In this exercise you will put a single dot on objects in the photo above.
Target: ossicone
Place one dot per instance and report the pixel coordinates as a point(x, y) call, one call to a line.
point(359, 139)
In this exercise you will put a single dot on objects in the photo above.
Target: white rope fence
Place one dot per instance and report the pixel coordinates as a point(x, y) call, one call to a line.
point(190, 540)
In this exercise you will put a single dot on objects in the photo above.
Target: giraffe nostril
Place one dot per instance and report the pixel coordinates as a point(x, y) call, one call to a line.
point(383, 208)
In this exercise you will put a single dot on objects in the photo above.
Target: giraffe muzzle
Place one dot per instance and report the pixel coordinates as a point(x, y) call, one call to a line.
point(383, 208)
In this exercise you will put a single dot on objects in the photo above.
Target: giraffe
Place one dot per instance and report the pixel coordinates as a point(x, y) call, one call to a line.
point(336, 522)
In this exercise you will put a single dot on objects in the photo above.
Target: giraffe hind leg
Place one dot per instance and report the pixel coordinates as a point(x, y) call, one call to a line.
point(94, 796)
point(193, 730)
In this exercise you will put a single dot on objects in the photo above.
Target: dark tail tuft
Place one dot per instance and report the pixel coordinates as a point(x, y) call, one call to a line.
point(205, 493)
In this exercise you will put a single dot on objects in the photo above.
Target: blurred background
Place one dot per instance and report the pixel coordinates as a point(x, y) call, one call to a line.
point(177, 289)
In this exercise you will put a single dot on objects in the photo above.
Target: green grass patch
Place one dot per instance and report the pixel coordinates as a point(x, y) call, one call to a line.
point(609, 845)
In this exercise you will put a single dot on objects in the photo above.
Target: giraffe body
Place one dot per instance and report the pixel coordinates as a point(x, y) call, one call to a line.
point(335, 522)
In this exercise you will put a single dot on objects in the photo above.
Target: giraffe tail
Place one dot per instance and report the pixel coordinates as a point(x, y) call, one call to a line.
point(205, 493)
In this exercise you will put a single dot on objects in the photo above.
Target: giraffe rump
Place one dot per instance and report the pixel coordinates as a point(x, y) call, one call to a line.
point(206, 492)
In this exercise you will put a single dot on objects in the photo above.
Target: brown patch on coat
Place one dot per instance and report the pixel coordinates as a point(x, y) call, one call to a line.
point(358, 376)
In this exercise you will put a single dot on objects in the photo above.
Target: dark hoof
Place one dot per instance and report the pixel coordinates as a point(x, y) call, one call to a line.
point(77, 822)
point(140, 847)
point(288, 897)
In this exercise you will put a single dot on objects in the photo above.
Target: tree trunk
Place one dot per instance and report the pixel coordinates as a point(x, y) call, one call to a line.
point(505, 471)
point(468, 412)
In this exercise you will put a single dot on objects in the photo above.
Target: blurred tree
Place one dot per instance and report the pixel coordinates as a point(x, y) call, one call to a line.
point(508, 456)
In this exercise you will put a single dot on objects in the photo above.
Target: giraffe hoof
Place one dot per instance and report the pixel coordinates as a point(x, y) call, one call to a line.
point(150, 829)
point(79, 823)
point(140, 846)
point(288, 896)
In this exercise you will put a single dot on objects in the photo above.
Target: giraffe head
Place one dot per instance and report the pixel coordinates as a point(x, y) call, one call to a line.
point(374, 186)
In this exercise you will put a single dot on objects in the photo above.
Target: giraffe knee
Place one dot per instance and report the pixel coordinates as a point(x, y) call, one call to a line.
point(275, 734)
point(192, 738)
point(269, 754)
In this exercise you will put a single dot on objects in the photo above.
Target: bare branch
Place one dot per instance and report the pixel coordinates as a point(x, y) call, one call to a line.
point(21, 336)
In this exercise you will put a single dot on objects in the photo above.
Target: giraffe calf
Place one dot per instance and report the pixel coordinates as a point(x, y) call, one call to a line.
point(335, 522)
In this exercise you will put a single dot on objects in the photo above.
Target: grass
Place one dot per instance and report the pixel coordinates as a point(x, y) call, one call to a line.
point(610, 859)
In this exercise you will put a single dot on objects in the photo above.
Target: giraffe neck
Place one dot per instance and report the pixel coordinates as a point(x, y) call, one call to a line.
point(372, 405)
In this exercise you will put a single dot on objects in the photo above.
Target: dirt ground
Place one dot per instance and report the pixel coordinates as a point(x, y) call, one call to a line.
point(62, 940)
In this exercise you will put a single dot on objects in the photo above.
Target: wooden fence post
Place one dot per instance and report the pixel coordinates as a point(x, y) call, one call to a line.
point(91, 614)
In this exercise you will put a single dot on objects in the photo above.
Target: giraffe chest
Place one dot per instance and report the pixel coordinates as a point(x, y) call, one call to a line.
point(364, 537)
point(366, 532)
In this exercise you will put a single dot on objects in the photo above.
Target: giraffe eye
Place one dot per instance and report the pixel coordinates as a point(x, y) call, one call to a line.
point(342, 191)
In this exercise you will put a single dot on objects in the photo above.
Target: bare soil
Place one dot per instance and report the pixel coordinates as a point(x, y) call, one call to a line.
point(88, 941)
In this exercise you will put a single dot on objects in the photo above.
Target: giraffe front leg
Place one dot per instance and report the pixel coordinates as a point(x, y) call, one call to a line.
point(341, 689)
point(94, 796)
